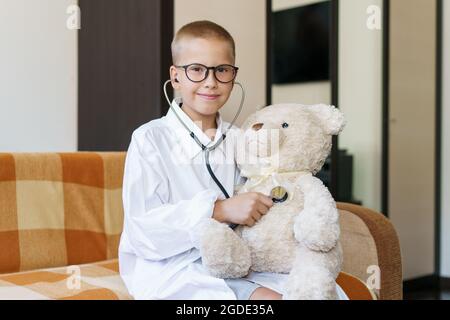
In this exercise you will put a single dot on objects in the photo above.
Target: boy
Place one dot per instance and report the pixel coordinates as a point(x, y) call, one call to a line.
point(165, 200)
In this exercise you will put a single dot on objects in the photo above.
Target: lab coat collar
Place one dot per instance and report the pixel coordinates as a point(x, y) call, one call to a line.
point(191, 148)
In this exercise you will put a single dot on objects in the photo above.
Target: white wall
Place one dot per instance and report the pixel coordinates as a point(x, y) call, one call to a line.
point(360, 97)
point(305, 93)
point(445, 195)
point(246, 21)
point(288, 4)
point(38, 77)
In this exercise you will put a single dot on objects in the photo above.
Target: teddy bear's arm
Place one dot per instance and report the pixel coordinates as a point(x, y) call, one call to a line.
point(317, 225)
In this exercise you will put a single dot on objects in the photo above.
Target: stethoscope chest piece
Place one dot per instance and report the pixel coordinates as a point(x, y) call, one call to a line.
point(279, 194)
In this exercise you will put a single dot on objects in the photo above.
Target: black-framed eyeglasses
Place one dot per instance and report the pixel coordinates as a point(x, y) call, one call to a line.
point(197, 72)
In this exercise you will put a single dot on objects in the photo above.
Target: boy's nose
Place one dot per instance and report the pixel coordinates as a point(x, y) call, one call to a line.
point(211, 80)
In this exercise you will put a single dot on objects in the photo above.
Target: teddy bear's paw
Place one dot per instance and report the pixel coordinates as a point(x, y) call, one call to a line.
point(312, 284)
point(224, 254)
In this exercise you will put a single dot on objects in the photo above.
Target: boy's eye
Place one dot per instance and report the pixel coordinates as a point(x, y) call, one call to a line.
point(285, 125)
point(196, 69)
point(223, 69)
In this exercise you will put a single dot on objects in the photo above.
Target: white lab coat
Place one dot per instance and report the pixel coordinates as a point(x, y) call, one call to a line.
point(167, 193)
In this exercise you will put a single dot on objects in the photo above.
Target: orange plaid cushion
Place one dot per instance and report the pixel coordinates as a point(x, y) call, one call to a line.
point(59, 209)
point(99, 280)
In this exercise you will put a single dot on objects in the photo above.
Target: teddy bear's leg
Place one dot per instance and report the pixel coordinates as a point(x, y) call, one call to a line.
point(313, 275)
point(224, 253)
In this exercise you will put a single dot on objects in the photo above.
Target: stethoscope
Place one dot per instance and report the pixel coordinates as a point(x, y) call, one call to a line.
point(207, 150)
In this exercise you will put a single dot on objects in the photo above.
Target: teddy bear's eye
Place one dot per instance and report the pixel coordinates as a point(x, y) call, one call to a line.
point(285, 125)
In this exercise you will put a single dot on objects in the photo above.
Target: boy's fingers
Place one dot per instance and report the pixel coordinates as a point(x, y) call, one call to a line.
point(250, 222)
point(265, 200)
point(256, 215)
point(262, 208)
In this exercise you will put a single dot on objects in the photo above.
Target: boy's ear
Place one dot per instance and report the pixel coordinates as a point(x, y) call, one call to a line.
point(174, 77)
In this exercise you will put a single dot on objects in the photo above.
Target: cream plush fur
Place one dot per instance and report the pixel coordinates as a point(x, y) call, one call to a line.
point(299, 236)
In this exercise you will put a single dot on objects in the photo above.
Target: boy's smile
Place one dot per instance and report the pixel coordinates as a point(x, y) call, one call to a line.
point(202, 100)
point(209, 97)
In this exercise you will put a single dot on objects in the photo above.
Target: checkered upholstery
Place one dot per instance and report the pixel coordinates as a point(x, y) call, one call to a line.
point(59, 209)
point(93, 281)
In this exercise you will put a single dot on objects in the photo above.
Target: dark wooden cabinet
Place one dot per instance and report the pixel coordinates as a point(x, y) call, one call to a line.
point(124, 58)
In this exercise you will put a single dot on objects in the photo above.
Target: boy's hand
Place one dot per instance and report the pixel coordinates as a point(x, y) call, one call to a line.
point(245, 208)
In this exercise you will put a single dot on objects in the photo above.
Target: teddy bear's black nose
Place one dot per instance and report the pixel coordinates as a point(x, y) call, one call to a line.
point(257, 126)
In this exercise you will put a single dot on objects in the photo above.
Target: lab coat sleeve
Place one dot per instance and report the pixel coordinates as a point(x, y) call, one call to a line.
point(156, 229)
point(239, 181)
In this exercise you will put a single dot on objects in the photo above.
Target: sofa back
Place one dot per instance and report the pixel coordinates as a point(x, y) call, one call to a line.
point(59, 209)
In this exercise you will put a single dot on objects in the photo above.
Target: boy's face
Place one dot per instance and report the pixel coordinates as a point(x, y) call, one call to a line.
point(207, 97)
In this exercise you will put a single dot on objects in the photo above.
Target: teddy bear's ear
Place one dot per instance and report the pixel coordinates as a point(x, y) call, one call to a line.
point(332, 118)
point(249, 121)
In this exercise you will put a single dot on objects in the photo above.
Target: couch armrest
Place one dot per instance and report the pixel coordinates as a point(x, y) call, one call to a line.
point(369, 239)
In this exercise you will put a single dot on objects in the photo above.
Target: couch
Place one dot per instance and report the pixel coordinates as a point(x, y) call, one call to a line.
point(61, 217)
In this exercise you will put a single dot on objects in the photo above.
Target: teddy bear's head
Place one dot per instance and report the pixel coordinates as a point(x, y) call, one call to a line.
point(289, 138)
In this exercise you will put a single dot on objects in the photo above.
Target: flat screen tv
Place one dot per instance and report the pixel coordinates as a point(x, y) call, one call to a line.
point(300, 44)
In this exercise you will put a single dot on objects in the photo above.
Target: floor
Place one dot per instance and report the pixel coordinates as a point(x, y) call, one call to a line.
point(427, 295)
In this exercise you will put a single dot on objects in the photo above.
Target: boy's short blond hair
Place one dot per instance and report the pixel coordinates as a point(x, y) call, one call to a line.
point(201, 29)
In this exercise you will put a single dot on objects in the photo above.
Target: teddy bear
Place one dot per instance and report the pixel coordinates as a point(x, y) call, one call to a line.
point(283, 146)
